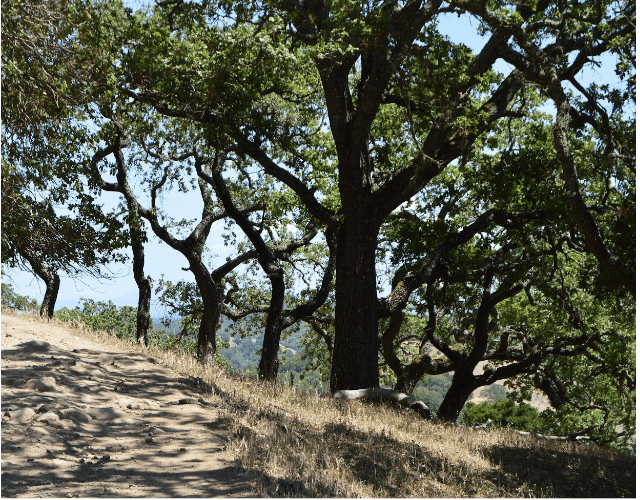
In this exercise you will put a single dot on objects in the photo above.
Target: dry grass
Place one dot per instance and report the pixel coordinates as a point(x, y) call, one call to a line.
point(295, 444)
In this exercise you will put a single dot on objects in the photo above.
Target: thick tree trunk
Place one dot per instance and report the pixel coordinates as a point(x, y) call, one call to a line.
point(463, 384)
point(268, 367)
point(212, 299)
point(355, 355)
point(52, 281)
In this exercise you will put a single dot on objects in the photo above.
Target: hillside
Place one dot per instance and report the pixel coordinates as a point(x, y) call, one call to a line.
point(278, 441)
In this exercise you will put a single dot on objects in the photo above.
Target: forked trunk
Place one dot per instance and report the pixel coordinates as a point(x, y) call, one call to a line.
point(355, 355)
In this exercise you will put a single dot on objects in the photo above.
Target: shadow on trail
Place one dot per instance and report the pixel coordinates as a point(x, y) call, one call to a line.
point(138, 437)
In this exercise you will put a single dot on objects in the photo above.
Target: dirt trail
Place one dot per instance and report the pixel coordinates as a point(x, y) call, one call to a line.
point(83, 419)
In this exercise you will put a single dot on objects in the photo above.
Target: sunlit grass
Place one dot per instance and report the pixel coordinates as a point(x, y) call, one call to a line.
point(301, 444)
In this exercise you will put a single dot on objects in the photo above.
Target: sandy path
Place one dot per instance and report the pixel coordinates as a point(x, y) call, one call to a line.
point(85, 419)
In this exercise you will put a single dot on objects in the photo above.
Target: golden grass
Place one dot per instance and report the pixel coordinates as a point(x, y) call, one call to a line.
point(296, 444)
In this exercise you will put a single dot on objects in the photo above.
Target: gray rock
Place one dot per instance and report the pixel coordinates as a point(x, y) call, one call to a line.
point(22, 415)
point(44, 384)
point(104, 413)
point(64, 423)
point(76, 414)
point(48, 417)
point(46, 408)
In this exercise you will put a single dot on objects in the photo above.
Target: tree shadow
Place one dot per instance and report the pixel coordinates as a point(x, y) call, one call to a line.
point(559, 473)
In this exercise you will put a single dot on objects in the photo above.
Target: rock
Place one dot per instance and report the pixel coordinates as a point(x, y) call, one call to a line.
point(21, 416)
point(64, 423)
point(44, 384)
point(77, 414)
point(48, 417)
point(104, 413)
point(46, 408)
point(154, 430)
point(106, 359)
point(111, 415)
point(38, 399)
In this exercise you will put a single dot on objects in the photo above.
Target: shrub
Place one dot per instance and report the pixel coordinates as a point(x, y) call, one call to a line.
point(12, 300)
point(503, 413)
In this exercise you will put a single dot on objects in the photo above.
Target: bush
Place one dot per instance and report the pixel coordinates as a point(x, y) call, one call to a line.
point(12, 300)
point(103, 316)
point(503, 413)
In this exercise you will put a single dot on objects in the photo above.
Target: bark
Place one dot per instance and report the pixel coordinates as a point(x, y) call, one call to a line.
point(268, 366)
point(355, 355)
point(212, 298)
point(50, 278)
point(50, 295)
point(143, 319)
point(462, 385)
point(144, 284)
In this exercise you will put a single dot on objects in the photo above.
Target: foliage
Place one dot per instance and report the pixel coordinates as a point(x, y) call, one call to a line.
point(504, 413)
point(13, 300)
point(103, 316)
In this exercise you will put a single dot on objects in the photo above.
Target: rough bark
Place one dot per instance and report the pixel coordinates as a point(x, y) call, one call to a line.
point(143, 317)
point(355, 354)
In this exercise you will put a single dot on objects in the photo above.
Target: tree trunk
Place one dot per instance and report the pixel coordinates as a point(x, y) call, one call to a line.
point(50, 278)
point(380, 394)
point(52, 281)
point(268, 367)
point(144, 314)
point(144, 284)
point(355, 355)
point(212, 299)
point(463, 384)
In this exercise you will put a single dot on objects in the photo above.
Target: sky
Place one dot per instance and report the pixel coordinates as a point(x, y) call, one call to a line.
point(160, 259)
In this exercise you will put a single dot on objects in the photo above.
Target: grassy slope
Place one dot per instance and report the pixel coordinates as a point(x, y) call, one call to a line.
point(299, 444)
